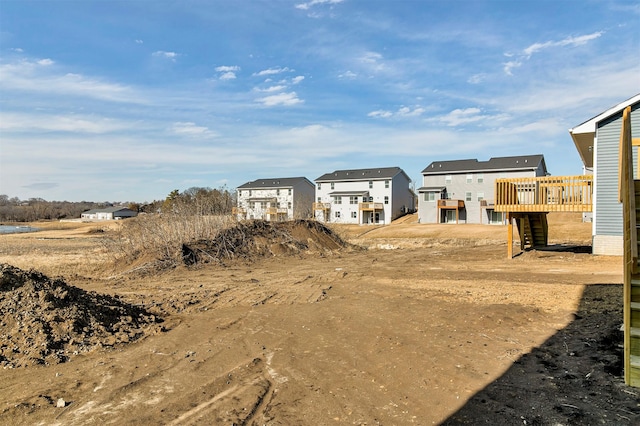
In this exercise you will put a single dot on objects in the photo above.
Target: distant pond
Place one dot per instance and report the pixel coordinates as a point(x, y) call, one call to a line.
point(7, 229)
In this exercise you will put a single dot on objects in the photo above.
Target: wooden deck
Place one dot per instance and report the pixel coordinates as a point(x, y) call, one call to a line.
point(544, 194)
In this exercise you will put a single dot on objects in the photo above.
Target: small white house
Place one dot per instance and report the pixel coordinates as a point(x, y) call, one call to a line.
point(363, 196)
point(108, 213)
point(275, 199)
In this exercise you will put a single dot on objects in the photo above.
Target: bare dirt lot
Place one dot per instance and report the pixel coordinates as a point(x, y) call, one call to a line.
point(428, 324)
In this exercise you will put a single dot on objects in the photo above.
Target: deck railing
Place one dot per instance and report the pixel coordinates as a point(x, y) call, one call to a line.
point(321, 206)
point(371, 206)
point(544, 194)
point(276, 210)
point(451, 204)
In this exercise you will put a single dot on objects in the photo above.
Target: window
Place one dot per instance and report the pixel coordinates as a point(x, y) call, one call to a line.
point(252, 204)
point(429, 196)
point(480, 178)
point(337, 199)
point(263, 205)
point(353, 199)
point(469, 178)
point(447, 179)
point(467, 196)
point(277, 192)
point(319, 200)
point(370, 184)
point(386, 184)
point(289, 191)
point(354, 215)
point(319, 186)
point(289, 205)
point(249, 193)
point(480, 196)
point(386, 199)
point(337, 214)
point(333, 185)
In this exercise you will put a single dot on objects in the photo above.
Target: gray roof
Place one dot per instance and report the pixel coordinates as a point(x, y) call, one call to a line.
point(431, 188)
point(349, 193)
point(106, 210)
point(274, 183)
point(495, 164)
point(361, 174)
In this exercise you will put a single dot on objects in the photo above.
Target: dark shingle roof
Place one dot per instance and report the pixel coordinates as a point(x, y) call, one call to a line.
point(522, 162)
point(106, 210)
point(274, 183)
point(361, 174)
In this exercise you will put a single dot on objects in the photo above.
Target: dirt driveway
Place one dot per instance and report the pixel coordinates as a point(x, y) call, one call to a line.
point(429, 325)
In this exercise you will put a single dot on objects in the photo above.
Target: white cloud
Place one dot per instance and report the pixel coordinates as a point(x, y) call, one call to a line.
point(168, 55)
point(477, 78)
point(380, 114)
point(348, 74)
point(401, 112)
point(272, 89)
point(227, 68)
point(41, 76)
point(272, 71)
point(285, 99)
point(528, 52)
point(462, 116)
point(569, 41)
point(18, 122)
point(306, 6)
point(228, 76)
point(138, 41)
point(298, 79)
point(190, 129)
point(228, 72)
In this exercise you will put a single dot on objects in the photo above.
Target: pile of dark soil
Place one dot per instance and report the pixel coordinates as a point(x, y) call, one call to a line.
point(259, 238)
point(46, 321)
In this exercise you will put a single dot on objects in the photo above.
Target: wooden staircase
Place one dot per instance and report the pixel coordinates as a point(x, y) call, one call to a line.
point(533, 229)
point(629, 196)
point(632, 309)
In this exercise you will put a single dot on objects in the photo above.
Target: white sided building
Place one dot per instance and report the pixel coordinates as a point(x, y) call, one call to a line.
point(275, 199)
point(363, 196)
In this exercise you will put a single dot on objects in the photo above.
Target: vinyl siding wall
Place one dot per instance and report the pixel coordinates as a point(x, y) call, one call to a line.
point(607, 226)
point(457, 189)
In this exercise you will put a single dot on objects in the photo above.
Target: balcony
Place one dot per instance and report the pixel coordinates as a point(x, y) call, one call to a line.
point(276, 211)
point(371, 206)
point(321, 206)
point(451, 204)
point(545, 194)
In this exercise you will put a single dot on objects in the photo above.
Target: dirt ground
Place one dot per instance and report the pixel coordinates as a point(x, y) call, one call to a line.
point(430, 324)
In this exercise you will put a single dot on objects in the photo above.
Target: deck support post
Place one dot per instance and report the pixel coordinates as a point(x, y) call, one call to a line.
point(509, 236)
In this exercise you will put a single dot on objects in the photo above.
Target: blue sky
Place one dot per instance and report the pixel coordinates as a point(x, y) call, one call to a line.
point(128, 100)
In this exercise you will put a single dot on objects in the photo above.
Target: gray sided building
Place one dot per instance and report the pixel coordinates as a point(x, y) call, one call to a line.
point(275, 199)
point(598, 143)
point(462, 191)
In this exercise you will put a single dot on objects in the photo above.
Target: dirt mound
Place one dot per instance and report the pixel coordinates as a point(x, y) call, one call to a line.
point(46, 321)
point(259, 238)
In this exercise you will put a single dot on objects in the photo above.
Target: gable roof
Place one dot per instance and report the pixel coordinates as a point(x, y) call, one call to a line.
point(584, 134)
point(495, 164)
point(274, 183)
point(362, 174)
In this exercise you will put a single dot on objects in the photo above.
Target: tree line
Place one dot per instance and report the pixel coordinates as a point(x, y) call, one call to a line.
point(192, 201)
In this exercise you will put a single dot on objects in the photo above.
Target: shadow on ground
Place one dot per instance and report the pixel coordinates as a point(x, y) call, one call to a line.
point(574, 378)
